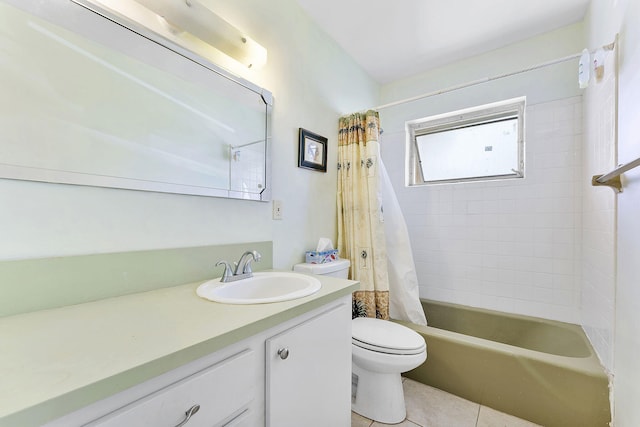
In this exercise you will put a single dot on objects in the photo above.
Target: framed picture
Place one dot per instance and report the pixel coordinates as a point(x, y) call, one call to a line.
point(312, 151)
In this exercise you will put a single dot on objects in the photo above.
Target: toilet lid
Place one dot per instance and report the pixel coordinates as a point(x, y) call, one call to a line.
point(385, 336)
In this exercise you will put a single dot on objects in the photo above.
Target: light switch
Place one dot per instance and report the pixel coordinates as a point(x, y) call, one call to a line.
point(277, 209)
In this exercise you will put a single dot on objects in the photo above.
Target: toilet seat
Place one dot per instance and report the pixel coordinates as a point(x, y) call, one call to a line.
point(383, 336)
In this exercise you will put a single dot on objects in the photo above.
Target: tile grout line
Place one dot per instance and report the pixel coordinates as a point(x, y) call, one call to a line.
point(478, 416)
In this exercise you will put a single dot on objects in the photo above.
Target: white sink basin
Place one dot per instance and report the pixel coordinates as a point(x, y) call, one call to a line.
point(263, 287)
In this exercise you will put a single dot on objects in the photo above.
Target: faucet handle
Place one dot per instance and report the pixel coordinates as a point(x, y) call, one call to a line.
point(228, 272)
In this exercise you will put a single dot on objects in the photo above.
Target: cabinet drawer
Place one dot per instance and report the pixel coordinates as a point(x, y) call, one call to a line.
point(223, 391)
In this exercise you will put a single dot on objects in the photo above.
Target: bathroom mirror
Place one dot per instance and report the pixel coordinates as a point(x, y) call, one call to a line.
point(89, 101)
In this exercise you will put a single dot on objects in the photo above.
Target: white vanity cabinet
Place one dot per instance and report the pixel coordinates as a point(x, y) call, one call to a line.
point(224, 387)
point(308, 372)
point(248, 383)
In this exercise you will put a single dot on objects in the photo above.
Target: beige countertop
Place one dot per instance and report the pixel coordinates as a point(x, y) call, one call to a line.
point(55, 361)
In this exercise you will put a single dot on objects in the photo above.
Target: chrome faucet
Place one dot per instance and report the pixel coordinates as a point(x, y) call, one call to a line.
point(243, 267)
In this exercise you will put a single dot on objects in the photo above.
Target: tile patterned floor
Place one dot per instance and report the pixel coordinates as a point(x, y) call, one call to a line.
point(430, 407)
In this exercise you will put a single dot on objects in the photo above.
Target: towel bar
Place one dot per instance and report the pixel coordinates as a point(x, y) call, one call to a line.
point(612, 179)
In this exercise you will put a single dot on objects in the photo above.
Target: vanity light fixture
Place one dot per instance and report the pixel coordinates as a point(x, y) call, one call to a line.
point(189, 24)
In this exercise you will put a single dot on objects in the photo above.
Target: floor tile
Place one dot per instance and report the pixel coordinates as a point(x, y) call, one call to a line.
point(430, 407)
point(491, 418)
point(358, 420)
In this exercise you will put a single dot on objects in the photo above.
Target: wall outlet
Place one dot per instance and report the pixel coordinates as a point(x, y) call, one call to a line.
point(277, 209)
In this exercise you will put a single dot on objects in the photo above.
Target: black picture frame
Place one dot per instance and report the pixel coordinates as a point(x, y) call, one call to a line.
point(312, 151)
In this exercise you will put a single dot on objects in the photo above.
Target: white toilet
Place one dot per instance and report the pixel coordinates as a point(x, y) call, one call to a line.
point(381, 351)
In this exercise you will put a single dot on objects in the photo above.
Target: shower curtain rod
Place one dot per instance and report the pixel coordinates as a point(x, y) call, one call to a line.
point(607, 47)
point(233, 147)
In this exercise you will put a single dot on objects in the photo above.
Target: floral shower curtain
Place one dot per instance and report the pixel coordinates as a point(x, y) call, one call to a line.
point(361, 235)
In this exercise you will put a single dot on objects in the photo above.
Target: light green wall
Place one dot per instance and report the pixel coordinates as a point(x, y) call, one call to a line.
point(547, 84)
point(313, 82)
point(604, 20)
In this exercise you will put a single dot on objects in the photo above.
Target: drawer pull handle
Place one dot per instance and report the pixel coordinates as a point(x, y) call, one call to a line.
point(191, 412)
point(283, 353)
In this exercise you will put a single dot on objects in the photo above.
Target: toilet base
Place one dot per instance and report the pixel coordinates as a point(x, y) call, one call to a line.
point(378, 396)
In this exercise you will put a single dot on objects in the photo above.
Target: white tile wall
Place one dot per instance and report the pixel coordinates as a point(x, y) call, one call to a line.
point(599, 216)
point(510, 245)
point(246, 169)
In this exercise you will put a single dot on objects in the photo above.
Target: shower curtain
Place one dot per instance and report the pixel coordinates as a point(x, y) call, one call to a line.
point(377, 245)
point(404, 296)
point(360, 230)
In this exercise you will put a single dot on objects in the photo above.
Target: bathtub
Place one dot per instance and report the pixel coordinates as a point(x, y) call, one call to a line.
point(540, 370)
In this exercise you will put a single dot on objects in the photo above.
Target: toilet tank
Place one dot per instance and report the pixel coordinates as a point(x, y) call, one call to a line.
point(338, 268)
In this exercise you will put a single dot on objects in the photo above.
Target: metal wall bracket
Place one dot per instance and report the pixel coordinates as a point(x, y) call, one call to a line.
point(614, 182)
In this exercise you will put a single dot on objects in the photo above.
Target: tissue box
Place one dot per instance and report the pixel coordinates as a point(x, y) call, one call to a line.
point(315, 257)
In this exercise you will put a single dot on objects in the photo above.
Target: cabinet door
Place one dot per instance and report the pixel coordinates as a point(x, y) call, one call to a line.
point(308, 376)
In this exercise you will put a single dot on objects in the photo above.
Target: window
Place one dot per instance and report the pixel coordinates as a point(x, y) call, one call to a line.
point(476, 144)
